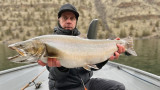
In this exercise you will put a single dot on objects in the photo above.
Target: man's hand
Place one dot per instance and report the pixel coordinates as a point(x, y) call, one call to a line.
point(52, 62)
point(121, 49)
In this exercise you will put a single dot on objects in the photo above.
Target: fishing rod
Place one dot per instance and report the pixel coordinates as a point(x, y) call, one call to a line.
point(37, 85)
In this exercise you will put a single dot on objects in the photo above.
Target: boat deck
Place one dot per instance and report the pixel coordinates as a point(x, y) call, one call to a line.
point(133, 79)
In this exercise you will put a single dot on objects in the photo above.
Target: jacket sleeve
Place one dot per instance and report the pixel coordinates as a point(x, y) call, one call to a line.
point(58, 73)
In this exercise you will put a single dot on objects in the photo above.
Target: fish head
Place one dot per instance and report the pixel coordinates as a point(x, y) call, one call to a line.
point(28, 51)
point(20, 47)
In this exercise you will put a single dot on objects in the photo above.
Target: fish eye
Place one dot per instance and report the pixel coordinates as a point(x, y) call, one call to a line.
point(21, 45)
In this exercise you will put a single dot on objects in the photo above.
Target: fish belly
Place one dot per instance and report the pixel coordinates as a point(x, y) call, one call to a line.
point(76, 52)
point(82, 55)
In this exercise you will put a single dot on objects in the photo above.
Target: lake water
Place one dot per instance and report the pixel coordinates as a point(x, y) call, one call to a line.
point(148, 58)
point(5, 52)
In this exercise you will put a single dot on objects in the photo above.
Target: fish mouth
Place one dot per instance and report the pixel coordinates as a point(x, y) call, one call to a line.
point(20, 52)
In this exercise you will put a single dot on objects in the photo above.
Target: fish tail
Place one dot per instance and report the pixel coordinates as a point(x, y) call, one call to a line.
point(129, 46)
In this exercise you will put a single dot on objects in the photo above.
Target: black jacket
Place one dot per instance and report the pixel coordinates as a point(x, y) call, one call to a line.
point(63, 78)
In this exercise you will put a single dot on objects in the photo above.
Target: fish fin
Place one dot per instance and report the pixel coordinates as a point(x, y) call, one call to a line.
point(92, 66)
point(44, 57)
point(87, 68)
point(129, 46)
point(131, 51)
point(50, 48)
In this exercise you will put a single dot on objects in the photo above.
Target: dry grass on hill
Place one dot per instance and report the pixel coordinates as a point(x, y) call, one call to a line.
point(24, 19)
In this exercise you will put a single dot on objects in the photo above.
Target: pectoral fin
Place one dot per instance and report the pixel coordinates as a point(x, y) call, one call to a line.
point(52, 50)
point(89, 66)
point(92, 66)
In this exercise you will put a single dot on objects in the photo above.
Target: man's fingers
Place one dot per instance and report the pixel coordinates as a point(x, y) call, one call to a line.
point(58, 63)
point(112, 57)
point(41, 63)
point(121, 48)
point(53, 62)
point(116, 55)
point(117, 38)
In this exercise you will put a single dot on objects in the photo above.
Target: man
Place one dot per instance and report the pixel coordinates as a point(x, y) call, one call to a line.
point(61, 78)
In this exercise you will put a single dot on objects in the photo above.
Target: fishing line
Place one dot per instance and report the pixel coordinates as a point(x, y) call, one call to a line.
point(137, 77)
point(84, 87)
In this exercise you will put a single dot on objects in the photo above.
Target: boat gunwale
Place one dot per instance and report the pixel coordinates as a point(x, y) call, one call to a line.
point(153, 76)
point(156, 77)
point(17, 68)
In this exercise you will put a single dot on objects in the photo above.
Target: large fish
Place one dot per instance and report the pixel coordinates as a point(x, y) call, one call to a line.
point(71, 51)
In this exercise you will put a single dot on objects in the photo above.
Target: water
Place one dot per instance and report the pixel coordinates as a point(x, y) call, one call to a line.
point(5, 52)
point(148, 58)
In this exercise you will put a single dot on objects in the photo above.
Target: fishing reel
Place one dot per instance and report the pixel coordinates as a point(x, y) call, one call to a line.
point(37, 85)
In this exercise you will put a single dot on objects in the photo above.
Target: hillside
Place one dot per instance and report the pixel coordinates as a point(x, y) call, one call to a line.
point(24, 19)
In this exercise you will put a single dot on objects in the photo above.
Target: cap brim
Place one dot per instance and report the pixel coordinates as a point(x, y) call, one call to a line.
point(62, 11)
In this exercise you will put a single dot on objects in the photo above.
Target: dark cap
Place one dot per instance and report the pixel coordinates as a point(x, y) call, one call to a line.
point(68, 7)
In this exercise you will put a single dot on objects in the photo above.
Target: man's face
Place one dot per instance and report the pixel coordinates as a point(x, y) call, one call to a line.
point(68, 20)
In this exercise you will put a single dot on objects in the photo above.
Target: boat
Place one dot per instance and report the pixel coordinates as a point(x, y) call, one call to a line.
point(133, 79)
point(35, 77)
